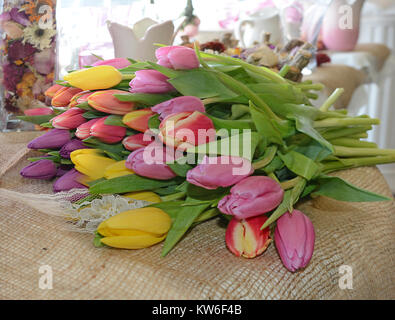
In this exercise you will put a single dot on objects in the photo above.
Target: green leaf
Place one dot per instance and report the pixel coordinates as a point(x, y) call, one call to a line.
point(166, 190)
point(241, 145)
point(201, 84)
point(94, 114)
point(275, 164)
point(231, 124)
point(114, 120)
point(85, 106)
point(184, 219)
point(149, 99)
point(154, 122)
point(37, 119)
point(265, 126)
point(300, 164)
point(180, 169)
point(97, 240)
point(314, 150)
point(200, 193)
point(116, 148)
point(129, 183)
point(46, 125)
point(172, 208)
point(339, 189)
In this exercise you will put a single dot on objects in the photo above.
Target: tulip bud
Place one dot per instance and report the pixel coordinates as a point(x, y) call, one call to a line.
point(50, 92)
point(40, 169)
point(150, 81)
point(135, 229)
point(177, 105)
point(68, 181)
point(177, 57)
point(105, 101)
point(245, 237)
point(107, 133)
point(251, 197)
point(135, 142)
point(90, 163)
point(223, 171)
point(38, 111)
point(95, 78)
point(118, 63)
point(294, 237)
point(79, 98)
point(52, 139)
point(138, 119)
point(70, 119)
point(70, 146)
point(143, 195)
point(84, 130)
point(187, 128)
point(117, 169)
point(63, 96)
point(150, 162)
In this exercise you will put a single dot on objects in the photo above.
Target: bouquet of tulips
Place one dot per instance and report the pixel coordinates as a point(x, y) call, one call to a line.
point(196, 136)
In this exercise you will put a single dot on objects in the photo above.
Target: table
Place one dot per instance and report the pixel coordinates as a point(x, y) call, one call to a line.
point(200, 267)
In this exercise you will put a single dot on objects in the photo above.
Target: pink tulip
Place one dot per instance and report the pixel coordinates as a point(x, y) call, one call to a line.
point(150, 81)
point(84, 130)
point(223, 171)
point(187, 129)
point(107, 133)
point(118, 63)
point(135, 142)
point(251, 197)
point(245, 237)
point(294, 237)
point(70, 119)
point(38, 111)
point(179, 104)
point(177, 57)
point(150, 162)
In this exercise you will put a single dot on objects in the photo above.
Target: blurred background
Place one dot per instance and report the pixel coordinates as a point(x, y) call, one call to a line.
point(340, 43)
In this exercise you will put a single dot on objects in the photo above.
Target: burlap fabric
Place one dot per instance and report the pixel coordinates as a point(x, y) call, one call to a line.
point(200, 267)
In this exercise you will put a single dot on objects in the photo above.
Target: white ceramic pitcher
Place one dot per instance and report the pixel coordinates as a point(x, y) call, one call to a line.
point(253, 27)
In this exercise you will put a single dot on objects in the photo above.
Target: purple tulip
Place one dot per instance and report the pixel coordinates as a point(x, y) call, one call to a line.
point(179, 104)
point(177, 57)
point(224, 171)
point(40, 169)
point(118, 63)
point(70, 146)
point(251, 197)
point(53, 139)
point(294, 237)
point(62, 170)
point(68, 181)
point(150, 81)
point(150, 162)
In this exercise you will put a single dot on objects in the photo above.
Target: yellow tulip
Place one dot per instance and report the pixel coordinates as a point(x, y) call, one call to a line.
point(90, 162)
point(117, 169)
point(95, 78)
point(135, 229)
point(143, 195)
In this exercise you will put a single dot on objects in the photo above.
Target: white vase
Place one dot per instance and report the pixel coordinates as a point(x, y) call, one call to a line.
point(138, 42)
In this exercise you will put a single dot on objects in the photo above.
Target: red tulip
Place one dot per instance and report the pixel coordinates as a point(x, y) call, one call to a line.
point(70, 119)
point(79, 98)
point(187, 128)
point(38, 111)
point(138, 119)
point(63, 96)
point(50, 92)
point(105, 101)
point(136, 141)
point(107, 133)
point(84, 130)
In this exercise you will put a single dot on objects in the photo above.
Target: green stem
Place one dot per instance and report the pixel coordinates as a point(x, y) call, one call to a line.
point(273, 176)
point(290, 183)
point(315, 86)
point(128, 76)
point(284, 70)
point(354, 143)
point(174, 196)
point(356, 162)
point(335, 122)
point(244, 90)
point(267, 73)
point(361, 152)
point(267, 158)
point(359, 136)
point(332, 99)
point(344, 132)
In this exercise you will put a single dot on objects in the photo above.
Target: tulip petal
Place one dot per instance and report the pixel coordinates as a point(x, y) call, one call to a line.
point(132, 242)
